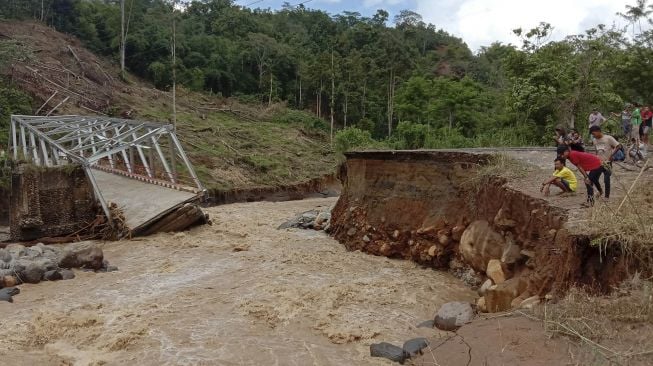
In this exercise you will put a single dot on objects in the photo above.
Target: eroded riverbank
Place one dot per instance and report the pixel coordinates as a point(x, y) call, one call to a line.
point(239, 292)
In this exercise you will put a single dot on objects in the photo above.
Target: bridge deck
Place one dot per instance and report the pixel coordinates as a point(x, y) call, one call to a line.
point(141, 202)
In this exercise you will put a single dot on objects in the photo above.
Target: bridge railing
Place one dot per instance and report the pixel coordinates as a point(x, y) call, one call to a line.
point(141, 150)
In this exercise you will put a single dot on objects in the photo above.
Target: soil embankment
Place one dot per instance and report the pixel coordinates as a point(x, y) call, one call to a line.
point(4, 206)
point(434, 207)
point(326, 186)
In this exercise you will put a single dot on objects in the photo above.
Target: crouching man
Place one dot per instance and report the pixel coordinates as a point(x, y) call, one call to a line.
point(591, 167)
point(562, 178)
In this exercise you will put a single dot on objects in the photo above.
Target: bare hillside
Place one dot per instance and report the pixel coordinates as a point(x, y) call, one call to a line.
point(232, 145)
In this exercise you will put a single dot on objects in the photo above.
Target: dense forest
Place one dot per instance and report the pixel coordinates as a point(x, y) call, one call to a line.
point(397, 80)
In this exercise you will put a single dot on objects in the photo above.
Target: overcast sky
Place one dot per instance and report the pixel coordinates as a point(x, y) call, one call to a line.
point(481, 22)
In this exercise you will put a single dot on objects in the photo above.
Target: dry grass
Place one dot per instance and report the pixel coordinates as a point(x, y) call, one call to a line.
point(499, 169)
point(612, 329)
point(630, 228)
point(499, 166)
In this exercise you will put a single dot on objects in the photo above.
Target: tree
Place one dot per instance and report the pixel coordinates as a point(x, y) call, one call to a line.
point(635, 13)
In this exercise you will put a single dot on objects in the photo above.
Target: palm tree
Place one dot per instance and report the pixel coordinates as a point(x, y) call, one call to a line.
point(635, 13)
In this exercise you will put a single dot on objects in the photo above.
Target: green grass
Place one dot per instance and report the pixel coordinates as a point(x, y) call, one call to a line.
point(280, 148)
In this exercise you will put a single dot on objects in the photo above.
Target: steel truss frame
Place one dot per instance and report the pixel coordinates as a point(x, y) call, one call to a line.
point(106, 143)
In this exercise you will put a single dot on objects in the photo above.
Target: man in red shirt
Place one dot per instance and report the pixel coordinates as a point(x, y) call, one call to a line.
point(591, 167)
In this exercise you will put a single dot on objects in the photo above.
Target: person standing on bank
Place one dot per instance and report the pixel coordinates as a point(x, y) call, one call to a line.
point(591, 167)
point(636, 122)
point(647, 123)
point(626, 117)
point(596, 118)
point(607, 147)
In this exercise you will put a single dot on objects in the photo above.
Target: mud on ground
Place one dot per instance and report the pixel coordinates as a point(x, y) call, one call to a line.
point(239, 292)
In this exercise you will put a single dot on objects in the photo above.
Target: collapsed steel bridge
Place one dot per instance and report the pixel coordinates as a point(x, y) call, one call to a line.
point(149, 152)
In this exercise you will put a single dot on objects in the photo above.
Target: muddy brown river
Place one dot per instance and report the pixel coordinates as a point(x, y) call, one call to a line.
point(239, 292)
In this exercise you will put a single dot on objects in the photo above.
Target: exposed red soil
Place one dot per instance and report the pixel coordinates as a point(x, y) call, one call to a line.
point(416, 205)
point(327, 186)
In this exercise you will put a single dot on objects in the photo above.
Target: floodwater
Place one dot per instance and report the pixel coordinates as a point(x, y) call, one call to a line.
point(239, 292)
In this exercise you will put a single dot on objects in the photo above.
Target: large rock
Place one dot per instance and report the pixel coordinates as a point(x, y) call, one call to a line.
point(457, 232)
point(511, 251)
point(16, 250)
point(306, 220)
point(323, 218)
point(415, 346)
point(480, 305)
point(485, 286)
point(503, 221)
point(82, 255)
point(7, 293)
point(389, 351)
point(499, 297)
point(67, 274)
point(5, 256)
point(32, 273)
point(496, 271)
point(53, 275)
point(530, 302)
point(454, 315)
point(8, 281)
point(480, 243)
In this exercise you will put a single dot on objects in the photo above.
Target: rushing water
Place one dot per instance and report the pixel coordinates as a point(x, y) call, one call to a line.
point(238, 293)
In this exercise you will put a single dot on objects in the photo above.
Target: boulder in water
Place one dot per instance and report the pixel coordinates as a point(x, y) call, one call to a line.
point(53, 275)
point(82, 255)
point(67, 274)
point(32, 272)
point(7, 293)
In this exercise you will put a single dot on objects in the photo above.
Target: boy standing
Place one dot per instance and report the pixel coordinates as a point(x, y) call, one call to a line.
point(562, 178)
point(591, 167)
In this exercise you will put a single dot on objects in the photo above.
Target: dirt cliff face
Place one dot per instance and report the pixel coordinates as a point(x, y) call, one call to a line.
point(431, 208)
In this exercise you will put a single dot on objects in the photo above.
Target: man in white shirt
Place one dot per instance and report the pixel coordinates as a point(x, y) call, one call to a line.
point(596, 118)
point(607, 147)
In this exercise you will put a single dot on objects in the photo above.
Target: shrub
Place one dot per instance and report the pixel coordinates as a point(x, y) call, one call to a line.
point(12, 101)
point(293, 116)
point(411, 136)
point(446, 138)
point(352, 138)
point(365, 124)
point(252, 99)
point(260, 163)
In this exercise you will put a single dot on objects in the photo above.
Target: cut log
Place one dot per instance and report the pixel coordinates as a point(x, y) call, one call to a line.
point(46, 102)
point(57, 106)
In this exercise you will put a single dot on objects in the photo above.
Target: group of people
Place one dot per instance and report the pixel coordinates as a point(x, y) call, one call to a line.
point(636, 126)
